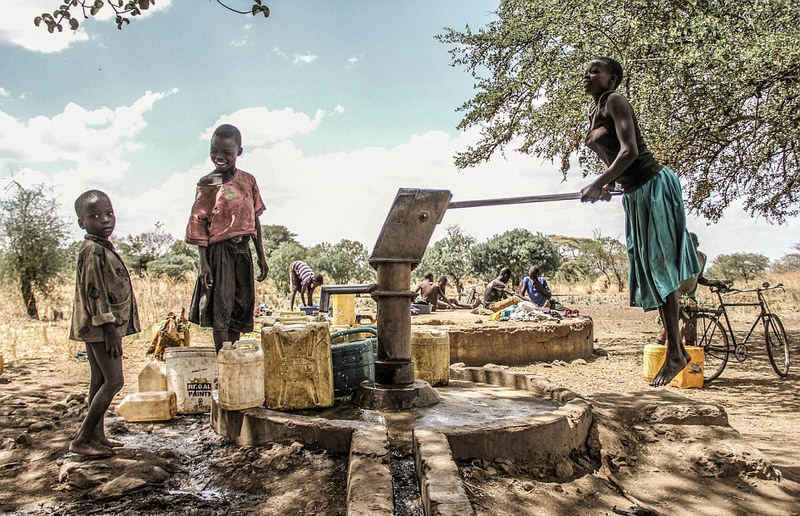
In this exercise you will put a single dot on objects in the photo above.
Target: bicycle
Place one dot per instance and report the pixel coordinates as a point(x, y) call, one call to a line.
point(716, 343)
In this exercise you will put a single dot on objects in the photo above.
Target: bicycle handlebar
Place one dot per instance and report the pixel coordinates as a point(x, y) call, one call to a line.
point(764, 287)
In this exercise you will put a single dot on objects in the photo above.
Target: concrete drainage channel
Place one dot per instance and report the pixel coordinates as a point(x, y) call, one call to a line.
point(558, 427)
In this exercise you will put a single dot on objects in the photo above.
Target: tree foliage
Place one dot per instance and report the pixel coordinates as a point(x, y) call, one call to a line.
point(607, 256)
point(517, 249)
point(344, 262)
point(449, 255)
point(139, 250)
point(31, 236)
point(716, 86)
point(273, 235)
point(177, 263)
point(738, 265)
point(66, 12)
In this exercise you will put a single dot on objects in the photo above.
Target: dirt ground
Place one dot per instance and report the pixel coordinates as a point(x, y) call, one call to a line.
point(182, 467)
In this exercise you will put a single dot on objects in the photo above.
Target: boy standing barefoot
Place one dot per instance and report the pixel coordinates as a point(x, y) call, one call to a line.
point(103, 311)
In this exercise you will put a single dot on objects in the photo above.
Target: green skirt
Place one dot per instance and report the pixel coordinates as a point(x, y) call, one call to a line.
point(660, 251)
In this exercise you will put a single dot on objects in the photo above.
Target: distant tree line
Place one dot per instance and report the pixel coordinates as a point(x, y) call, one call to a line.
point(36, 254)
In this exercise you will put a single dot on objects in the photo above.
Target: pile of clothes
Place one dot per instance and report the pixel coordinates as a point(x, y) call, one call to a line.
point(529, 312)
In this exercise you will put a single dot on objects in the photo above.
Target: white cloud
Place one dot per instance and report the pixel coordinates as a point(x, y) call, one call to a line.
point(4, 93)
point(17, 28)
point(278, 52)
point(307, 58)
point(338, 109)
point(353, 60)
point(89, 149)
point(260, 126)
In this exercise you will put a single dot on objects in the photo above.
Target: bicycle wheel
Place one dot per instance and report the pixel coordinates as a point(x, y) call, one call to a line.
point(777, 344)
point(711, 336)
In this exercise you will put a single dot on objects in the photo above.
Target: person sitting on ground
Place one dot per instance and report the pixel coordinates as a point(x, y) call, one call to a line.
point(536, 287)
point(497, 290)
point(538, 291)
point(302, 279)
point(103, 312)
point(431, 293)
point(444, 301)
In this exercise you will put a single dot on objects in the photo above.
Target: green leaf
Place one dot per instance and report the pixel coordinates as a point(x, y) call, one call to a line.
point(73, 24)
point(37, 20)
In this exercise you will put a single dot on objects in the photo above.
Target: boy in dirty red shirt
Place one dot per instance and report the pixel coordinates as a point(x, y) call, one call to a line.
point(225, 217)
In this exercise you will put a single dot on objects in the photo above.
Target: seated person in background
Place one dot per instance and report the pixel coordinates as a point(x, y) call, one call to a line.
point(444, 301)
point(538, 291)
point(432, 293)
point(497, 290)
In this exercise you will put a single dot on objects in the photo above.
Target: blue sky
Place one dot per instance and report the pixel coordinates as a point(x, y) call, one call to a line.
point(340, 104)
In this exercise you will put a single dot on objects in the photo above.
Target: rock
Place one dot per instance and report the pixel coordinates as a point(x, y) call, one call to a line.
point(159, 475)
point(58, 407)
point(121, 486)
point(491, 471)
point(80, 398)
point(639, 428)
point(295, 448)
point(564, 469)
point(600, 352)
point(528, 486)
point(7, 443)
point(579, 361)
point(23, 440)
point(40, 426)
point(83, 474)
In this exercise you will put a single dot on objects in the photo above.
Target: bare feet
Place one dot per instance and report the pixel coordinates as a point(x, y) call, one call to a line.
point(672, 366)
point(90, 449)
point(109, 443)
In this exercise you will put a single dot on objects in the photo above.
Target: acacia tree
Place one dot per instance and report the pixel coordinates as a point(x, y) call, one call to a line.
point(738, 265)
point(31, 236)
point(608, 256)
point(66, 12)
point(716, 86)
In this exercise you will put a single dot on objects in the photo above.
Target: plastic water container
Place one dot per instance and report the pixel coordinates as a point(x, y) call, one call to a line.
point(654, 355)
point(353, 363)
point(192, 376)
point(140, 407)
point(153, 376)
point(344, 309)
point(241, 375)
point(690, 377)
point(298, 372)
point(430, 351)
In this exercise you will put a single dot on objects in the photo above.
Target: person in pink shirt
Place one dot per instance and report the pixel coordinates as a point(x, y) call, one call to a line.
point(224, 219)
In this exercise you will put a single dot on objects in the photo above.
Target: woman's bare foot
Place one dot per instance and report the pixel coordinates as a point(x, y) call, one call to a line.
point(672, 366)
point(109, 443)
point(90, 449)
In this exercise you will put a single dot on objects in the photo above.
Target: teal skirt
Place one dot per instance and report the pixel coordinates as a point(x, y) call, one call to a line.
point(660, 251)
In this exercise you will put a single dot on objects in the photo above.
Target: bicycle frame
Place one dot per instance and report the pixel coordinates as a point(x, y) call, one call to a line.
point(722, 310)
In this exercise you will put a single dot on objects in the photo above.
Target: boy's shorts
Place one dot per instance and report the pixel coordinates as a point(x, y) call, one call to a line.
point(228, 305)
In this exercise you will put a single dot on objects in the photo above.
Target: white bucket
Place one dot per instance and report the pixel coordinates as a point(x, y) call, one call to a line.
point(148, 406)
point(192, 376)
point(153, 376)
point(241, 375)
